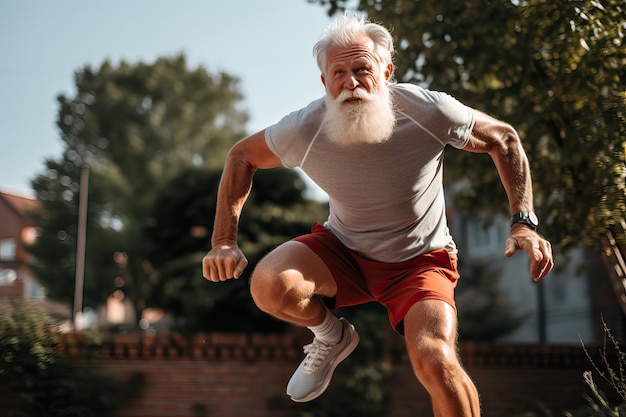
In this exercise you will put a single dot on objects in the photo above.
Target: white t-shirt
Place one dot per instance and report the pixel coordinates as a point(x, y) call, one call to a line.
point(386, 200)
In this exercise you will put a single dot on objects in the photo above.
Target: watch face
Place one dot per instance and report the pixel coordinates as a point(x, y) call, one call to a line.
point(526, 217)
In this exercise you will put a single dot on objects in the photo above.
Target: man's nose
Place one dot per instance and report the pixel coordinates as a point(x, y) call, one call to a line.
point(351, 82)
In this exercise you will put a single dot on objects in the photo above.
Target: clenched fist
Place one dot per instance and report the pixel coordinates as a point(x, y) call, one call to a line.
point(223, 262)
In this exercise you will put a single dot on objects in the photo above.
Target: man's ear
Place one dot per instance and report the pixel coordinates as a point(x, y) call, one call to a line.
point(323, 79)
point(389, 71)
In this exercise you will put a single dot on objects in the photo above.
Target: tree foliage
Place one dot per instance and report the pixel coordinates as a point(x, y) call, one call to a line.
point(553, 69)
point(136, 126)
point(180, 233)
point(155, 137)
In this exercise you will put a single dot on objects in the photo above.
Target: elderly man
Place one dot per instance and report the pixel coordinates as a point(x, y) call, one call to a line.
point(376, 148)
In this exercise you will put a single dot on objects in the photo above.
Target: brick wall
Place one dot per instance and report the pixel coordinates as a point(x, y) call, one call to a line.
point(245, 375)
point(241, 375)
point(184, 387)
point(216, 375)
point(511, 379)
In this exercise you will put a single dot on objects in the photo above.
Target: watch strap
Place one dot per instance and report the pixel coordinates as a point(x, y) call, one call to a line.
point(525, 217)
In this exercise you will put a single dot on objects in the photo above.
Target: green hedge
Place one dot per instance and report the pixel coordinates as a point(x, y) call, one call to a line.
point(45, 382)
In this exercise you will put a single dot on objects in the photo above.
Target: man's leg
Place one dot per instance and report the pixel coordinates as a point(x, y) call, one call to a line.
point(286, 284)
point(430, 329)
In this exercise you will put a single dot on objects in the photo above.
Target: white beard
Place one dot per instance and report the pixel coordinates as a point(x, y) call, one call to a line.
point(369, 120)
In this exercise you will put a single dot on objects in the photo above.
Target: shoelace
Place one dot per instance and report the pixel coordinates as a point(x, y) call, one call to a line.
point(316, 352)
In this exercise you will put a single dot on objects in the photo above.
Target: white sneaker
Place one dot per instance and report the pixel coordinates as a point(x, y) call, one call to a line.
point(316, 370)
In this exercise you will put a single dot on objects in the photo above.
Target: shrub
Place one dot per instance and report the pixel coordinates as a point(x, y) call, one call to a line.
point(45, 382)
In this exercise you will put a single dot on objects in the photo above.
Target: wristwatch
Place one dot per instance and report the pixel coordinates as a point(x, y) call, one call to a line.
point(526, 217)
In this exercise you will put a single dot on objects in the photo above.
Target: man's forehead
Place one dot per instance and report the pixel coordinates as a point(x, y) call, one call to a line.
point(360, 50)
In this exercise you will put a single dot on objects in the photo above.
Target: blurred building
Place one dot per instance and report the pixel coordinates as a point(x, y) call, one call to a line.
point(568, 306)
point(17, 231)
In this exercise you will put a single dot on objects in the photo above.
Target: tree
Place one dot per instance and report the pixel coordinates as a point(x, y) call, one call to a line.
point(136, 126)
point(555, 71)
point(180, 233)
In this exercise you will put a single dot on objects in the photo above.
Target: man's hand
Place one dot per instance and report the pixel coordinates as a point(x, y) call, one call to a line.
point(223, 262)
point(538, 249)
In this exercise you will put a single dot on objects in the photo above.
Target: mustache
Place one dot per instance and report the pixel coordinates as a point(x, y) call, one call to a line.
point(356, 94)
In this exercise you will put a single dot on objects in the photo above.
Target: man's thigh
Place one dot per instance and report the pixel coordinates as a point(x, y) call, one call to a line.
point(297, 264)
point(350, 286)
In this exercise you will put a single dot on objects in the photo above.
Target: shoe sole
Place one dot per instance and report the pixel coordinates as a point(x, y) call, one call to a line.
point(338, 359)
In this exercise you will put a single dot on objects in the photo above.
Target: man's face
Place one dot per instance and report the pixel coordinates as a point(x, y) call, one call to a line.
point(354, 68)
point(359, 107)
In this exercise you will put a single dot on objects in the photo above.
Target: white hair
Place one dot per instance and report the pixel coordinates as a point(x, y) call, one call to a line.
point(343, 32)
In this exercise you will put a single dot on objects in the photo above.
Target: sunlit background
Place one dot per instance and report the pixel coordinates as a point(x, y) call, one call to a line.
point(266, 44)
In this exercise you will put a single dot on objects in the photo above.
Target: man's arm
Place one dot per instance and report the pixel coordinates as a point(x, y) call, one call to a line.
point(502, 143)
point(225, 260)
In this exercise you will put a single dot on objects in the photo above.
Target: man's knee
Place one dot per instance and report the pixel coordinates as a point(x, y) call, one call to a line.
point(266, 287)
point(433, 358)
point(290, 274)
point(430, 334)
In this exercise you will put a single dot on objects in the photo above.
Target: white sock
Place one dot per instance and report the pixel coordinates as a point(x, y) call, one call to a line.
point(330, 330)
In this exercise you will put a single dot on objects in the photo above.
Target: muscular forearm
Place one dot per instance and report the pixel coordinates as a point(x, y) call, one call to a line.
point(233, 192)
point(243, 160)
point(502, 143)
point(514, 171)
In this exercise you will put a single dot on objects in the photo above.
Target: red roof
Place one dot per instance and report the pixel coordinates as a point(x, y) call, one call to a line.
point(21, 205)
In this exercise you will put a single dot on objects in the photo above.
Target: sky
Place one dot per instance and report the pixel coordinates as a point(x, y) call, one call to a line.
point(266, 44)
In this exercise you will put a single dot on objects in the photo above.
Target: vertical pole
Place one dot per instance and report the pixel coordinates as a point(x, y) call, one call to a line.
point(80, 245)
point(542, 321)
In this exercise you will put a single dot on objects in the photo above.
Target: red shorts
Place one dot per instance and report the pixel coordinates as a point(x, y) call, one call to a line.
point(397, 286)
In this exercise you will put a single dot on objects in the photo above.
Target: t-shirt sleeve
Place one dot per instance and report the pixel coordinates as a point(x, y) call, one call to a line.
point(444, 117)
point(290, 137)
point(277, 139)
point(460, 120)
